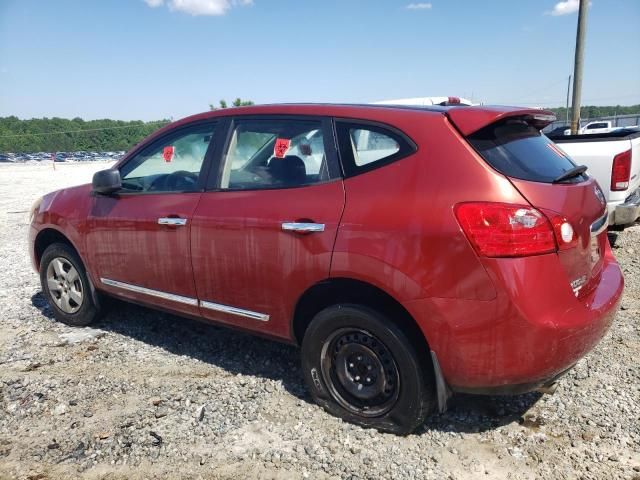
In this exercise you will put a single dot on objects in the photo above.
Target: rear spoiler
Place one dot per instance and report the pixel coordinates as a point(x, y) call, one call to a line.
point(469, 120)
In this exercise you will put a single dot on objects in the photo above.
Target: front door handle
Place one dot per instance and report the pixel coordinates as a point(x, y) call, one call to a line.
point(302, 227)
point(172, 221)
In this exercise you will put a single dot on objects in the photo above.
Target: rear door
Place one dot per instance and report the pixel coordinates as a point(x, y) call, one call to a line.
point(264, 231)
point(535, 166)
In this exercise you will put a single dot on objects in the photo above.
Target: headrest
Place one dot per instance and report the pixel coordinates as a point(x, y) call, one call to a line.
point(289, 170)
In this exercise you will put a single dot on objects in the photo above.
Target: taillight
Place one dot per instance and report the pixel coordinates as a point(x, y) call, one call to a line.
point(506, 230)
point(565, 234)
point(621, 171)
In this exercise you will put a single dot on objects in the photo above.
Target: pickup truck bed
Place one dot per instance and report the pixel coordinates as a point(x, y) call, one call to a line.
point(597, 152)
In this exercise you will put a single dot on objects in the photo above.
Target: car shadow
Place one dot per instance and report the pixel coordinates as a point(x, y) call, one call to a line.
point(246, 354)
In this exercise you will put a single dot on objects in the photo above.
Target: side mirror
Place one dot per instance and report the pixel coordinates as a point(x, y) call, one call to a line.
point(105, 182)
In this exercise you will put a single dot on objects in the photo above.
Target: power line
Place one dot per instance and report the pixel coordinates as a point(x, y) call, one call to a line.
point(542, 89)
point(83, 130)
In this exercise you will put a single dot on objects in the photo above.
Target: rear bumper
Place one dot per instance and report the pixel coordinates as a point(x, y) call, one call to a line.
point(515, 389)
point(627, 212)
point(535, 330)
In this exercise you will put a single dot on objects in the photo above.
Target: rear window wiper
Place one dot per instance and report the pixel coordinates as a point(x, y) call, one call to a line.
point(574, 172)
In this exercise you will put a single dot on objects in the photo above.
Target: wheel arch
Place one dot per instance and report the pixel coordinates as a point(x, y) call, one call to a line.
point(334, 291)
point(48, 236)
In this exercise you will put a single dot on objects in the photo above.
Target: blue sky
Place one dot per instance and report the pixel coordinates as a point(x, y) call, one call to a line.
point(137, 59)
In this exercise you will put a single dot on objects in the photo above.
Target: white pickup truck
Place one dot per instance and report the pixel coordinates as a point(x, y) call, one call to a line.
point(601, 126)
point(613, 159)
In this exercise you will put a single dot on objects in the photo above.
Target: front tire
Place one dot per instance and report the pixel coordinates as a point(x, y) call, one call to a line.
point(66, 285)
point(361, 367)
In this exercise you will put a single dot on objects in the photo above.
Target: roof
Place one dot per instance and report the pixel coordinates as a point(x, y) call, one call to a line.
point(467, 119)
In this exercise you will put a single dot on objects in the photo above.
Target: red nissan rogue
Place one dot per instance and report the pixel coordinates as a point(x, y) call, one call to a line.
point(411, 252)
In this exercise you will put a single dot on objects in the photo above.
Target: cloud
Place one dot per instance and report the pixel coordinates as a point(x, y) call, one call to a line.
point(419, 6)
point(200, 7)
point(565, 8)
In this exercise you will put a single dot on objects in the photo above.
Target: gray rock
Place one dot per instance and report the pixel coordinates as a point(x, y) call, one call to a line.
point(79, 335)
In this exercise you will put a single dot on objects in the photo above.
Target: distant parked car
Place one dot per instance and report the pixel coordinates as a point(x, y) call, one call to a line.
point(561, 130)
point(411, 252)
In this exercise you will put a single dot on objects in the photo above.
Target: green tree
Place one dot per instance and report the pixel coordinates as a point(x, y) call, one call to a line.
point(238, 102)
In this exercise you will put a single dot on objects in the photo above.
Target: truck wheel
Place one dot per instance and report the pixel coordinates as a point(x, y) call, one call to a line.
point(66, 286)
point(360, 366)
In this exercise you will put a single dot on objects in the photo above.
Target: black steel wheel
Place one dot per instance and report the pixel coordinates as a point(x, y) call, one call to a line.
point(360, 372)
point(361, 366)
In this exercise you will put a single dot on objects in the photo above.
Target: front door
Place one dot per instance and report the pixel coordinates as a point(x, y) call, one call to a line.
point(139, 238)
point(265, 233)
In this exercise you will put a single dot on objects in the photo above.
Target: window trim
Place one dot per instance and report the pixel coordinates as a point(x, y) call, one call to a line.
point(230, 123)
point(152, 143)
point(342, 126)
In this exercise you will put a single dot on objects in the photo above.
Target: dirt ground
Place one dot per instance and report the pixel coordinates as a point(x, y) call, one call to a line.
point(149, 395)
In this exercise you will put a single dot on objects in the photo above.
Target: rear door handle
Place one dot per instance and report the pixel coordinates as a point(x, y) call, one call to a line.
point(302, 227)
point(172, 221)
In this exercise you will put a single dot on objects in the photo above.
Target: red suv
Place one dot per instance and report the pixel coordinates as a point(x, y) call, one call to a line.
point(411, 252)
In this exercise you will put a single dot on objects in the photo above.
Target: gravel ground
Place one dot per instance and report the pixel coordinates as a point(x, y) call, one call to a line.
point(150, 395)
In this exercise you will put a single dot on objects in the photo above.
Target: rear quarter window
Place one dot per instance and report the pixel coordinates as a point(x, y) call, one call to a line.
point(366, 146)
point(516, 149)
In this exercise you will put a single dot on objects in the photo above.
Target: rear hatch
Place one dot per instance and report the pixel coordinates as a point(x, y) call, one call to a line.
point(552, 183)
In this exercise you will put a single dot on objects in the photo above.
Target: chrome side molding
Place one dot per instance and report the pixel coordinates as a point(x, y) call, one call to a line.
point(263, 317)
point(218, 307)
point(152, 293)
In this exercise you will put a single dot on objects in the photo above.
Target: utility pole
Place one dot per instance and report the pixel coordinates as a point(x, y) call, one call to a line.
point(567, 107)
point(578, 64)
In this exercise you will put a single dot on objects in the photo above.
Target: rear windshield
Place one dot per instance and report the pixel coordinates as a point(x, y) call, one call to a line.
point(516, 149)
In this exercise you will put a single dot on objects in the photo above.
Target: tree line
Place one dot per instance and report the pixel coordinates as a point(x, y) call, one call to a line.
point(594, 111)
point(64, 135)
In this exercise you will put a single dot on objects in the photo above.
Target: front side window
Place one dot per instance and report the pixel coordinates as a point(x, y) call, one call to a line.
point(275, 153)
point(172, 164)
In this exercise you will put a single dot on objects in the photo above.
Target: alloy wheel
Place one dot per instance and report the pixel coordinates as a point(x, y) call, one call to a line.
point(64, 285)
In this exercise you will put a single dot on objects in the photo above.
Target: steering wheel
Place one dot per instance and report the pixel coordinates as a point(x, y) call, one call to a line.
point(175, 181)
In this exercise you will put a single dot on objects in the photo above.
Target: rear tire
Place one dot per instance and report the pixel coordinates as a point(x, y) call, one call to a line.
point(361, 367)
point(66, 285)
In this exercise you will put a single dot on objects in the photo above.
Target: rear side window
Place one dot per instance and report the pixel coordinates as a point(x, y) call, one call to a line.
point(516, 149)
point(277, 153)
point(364, 147)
